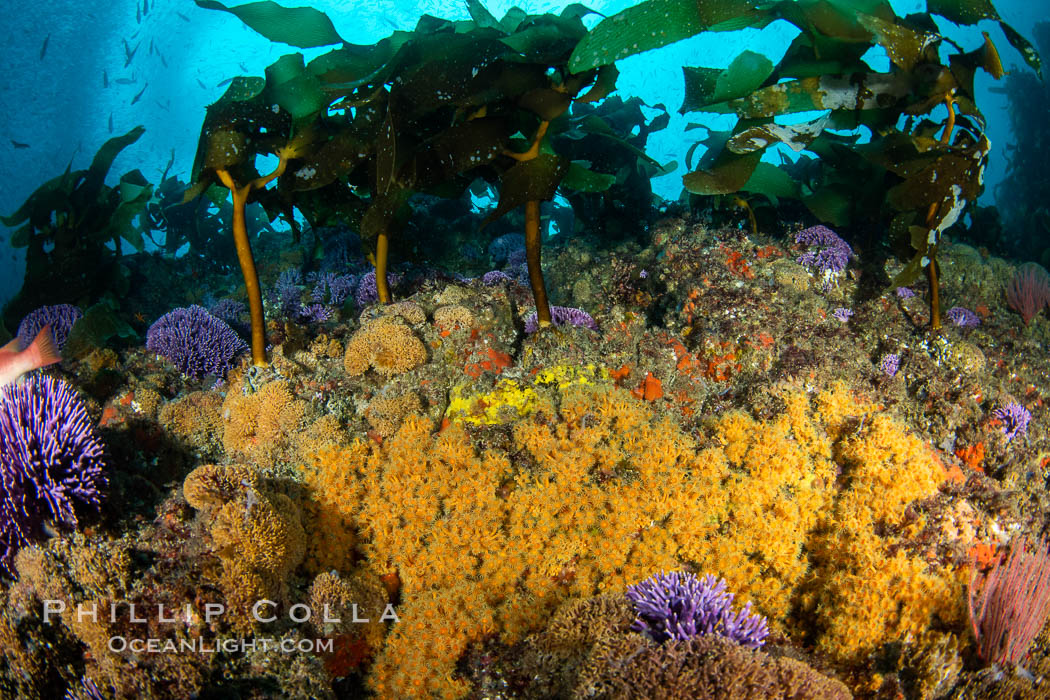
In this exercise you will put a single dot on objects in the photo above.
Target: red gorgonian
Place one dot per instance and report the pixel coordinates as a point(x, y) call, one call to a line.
point(1011, 603)
point(1029, 290)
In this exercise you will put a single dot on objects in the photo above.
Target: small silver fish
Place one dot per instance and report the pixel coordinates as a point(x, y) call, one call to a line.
point(43, 49)
point(139, 96)
point(129, 52)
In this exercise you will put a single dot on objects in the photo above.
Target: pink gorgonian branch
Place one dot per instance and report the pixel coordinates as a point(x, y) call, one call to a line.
point(1012, 604)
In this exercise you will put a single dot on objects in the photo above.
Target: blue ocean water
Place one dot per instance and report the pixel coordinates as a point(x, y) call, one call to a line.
point(67, 82)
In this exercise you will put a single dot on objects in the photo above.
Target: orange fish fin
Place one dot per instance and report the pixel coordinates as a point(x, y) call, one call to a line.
point(42, 351)
point(11, 346)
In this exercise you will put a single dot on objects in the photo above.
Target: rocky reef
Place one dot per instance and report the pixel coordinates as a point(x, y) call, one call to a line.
point(431, 499)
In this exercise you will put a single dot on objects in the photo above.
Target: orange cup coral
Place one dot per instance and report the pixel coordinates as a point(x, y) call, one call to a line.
point(385, 344)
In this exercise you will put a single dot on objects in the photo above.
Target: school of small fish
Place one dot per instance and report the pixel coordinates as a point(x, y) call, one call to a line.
point(141, 12)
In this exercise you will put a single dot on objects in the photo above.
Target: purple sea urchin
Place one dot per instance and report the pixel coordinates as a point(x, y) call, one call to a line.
point(561, 316)
point(330, 288)
point(60, 316)
point(196, 342)
point(51, 461)
point(831, 253)
point(229, 310)
point(679, 605)
point(890, 363)
point(494, 277)
point(962, 317)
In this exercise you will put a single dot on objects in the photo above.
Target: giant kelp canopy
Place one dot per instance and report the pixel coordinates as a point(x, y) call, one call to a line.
point(360, 129)
point(428, 110)
point(895, 165)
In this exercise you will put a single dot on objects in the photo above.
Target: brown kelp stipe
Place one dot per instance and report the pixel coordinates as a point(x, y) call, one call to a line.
point(931, 268)
point(935, 296)
point(532, 257)
point(532, 236)
point(382, 284)
point(743, 204)
point(244, 251)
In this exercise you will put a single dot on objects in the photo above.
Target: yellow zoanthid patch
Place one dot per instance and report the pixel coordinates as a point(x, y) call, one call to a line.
point(511, 399)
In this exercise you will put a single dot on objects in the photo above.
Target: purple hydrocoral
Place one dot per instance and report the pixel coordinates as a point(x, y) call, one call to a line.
point(962, 317)
point(842, 313)
point(314, 313)
point(60, 316)
point(561, 315)
point(367, 292)
point(832, 254)
point(196, 342)
point(51, 461)
point(501, 248)
point(286, 291)
point(679, 605)
point(228, 310)
point(516, 258)
point(1015, 418)
point(330, 288)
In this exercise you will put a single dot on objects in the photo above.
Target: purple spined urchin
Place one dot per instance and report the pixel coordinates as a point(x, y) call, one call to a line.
point(52, 463)
point(196, 342)
point(889, 364)
point(1014, 418)
point(229, 310)
point(330, 288)
point(517, 257)
point(286, 291)
point(679, 605)
point(60, 316)
point(963, 317)
point(842, 313)
point(314, 313)
point(367, 291)
point(830, 254)
point(494, 277)
point(560, 316)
